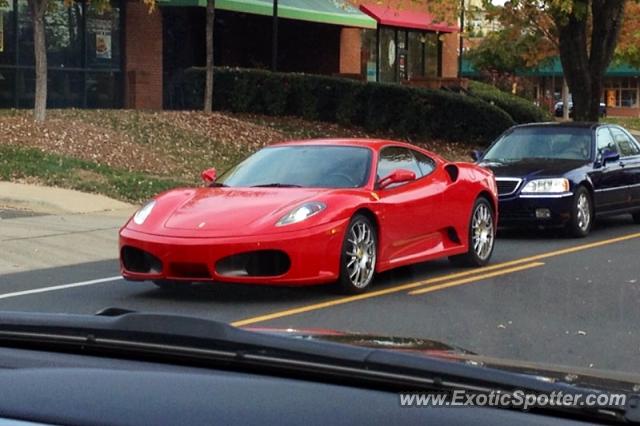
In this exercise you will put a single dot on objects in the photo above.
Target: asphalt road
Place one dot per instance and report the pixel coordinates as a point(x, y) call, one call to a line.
point(544, 298)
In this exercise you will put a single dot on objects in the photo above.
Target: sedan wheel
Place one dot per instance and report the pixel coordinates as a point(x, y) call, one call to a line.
point(358, 259)
point(582, 214)
point(482, 234)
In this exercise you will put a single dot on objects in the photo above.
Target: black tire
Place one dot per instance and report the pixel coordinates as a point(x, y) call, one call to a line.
point(170, 285)
point(480, 256)
point(636, 217)
point(581, 220)
point(364, 254)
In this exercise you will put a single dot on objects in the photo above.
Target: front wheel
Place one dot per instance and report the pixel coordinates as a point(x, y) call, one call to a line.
point(482, 235)
point(581, 220)
point(358, 257)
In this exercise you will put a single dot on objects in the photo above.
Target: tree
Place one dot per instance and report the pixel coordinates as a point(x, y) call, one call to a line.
point(38, 10)
point(208, 87)
point(586, 34)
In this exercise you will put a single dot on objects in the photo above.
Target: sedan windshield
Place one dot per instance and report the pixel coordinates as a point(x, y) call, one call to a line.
point(302, 166)
point(557, 143)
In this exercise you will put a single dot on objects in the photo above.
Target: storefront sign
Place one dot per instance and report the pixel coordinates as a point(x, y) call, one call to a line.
point(6, 5)
point(392, 52)
point(102, 30)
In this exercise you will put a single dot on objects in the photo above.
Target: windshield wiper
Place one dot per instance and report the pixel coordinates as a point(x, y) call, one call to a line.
point(276, 185)
point(217, 185)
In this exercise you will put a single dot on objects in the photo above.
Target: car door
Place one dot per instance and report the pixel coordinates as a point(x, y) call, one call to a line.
point(609, 180)
point(630, 163)
point(408, 209)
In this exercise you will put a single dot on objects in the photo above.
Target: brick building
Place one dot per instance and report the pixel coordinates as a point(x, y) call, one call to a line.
point(128, 57)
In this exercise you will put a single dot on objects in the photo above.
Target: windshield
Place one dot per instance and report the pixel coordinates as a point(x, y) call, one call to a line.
point(303, 166)
point(552, 142)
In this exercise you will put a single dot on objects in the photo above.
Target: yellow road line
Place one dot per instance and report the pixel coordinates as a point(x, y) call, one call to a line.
point(453, 276)
point(476, 278)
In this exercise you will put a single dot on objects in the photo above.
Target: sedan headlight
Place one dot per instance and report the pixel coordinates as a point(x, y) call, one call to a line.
point(548, 186)
point(142, 214)
point(300, 213)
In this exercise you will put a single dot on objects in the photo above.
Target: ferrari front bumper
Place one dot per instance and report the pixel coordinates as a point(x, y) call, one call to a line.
point(312, 257)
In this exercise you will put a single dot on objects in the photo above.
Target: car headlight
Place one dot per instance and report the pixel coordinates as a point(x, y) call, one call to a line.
point(300, 213)
point(548, 186)
point(142, 214)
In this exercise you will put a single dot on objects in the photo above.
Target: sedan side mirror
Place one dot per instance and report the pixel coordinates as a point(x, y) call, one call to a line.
point(610, 156)
point(476, 154)
point(209, 176)
point(396, 176)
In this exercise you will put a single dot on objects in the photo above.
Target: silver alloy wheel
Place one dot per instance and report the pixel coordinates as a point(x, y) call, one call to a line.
point(361, 254)
point(482, 231)
point(583, 212)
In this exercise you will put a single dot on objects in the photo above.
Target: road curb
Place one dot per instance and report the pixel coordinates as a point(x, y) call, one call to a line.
point(57, 200)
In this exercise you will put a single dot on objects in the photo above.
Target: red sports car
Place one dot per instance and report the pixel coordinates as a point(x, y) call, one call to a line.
point(312, 212)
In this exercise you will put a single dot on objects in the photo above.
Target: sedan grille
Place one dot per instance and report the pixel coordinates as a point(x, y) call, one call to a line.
point(507, 186)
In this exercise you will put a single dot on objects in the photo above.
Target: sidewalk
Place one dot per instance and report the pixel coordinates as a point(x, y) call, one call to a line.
point(59, 227)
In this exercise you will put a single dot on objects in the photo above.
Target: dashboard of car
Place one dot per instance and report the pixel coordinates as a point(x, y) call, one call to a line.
point(70, 389)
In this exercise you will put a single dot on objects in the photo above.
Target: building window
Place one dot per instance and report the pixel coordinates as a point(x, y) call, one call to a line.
point(432, 55)
point(7, 32)
point(83, 55)
point(621, 92)
point(388, 55)
point(369, 54)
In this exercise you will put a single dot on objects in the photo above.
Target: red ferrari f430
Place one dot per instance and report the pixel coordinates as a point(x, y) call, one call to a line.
point(313, 212)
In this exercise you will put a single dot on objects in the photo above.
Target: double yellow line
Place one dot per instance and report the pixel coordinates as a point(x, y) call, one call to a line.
point(448, 280)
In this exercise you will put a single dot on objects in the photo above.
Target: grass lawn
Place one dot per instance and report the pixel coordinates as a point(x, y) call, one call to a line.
point(630, 123)
point(131, 155)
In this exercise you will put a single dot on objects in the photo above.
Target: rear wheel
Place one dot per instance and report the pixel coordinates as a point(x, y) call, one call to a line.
point(581, 220)
point(172, 285)
point(358, 257)
point(636, 217)
point(481, 238)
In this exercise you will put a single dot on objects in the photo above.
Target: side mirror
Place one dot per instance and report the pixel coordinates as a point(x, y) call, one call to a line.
point(396, 176)
point(209, 176)
point(609, 156)
point(476, 154)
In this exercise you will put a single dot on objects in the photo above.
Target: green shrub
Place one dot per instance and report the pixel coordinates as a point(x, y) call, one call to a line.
point(403, 110)
point(520, 109)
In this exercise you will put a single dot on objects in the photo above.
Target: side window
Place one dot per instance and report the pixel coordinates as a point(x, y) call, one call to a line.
point(626, 146)
point(604, 141)
point(393, 158)
point(425, 163)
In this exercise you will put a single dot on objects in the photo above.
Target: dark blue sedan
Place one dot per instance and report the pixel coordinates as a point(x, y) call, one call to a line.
point(564, 174)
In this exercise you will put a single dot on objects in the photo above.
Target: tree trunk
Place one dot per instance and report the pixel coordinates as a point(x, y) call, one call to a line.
point(38, 9)
point(208, 87)
point(584, 68)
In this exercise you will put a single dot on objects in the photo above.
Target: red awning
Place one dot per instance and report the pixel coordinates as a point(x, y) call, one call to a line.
point(394, 17)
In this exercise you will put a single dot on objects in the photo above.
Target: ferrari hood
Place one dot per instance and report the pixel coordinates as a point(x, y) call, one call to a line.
point(221, 212)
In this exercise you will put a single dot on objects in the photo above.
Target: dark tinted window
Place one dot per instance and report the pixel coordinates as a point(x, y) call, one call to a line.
point(306, 166)
point(425, 163)
point(394, 158)
point(626, 146)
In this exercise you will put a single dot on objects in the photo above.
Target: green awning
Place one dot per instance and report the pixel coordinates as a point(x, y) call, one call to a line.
point(337, 12)
point(553, 67)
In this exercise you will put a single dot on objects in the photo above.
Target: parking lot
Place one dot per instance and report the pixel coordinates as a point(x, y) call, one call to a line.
point(543, 298)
